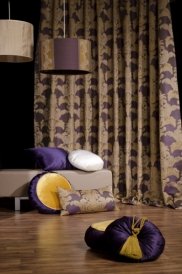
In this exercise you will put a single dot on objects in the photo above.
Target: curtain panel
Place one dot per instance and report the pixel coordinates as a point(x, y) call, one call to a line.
point(127, 109)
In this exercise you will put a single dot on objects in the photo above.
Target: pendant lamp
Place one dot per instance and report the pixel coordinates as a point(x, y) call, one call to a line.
point(16, 40)
point(65, 56)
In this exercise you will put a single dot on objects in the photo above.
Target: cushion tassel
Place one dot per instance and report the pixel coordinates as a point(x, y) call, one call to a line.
point(131, 247)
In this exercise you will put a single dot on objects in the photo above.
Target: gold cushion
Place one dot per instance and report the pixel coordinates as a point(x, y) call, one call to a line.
point(47, 189)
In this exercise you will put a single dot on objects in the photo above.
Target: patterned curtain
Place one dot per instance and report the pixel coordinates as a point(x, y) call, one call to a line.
point(127, 110)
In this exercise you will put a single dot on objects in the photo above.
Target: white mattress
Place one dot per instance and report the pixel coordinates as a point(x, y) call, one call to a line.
point(14, 182)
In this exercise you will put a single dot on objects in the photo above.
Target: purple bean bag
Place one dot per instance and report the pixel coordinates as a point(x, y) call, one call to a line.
point(94, 235)
point(150, 239)
point(128, 239)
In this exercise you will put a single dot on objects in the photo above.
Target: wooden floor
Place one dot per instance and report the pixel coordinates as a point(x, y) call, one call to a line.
point(31, 242)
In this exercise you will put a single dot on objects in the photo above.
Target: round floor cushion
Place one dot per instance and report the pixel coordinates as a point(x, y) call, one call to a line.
point(128, 239)
point(43, 194)
point(94, 235)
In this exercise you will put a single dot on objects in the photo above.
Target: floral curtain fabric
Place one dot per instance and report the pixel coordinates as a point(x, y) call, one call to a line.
point(127, 110)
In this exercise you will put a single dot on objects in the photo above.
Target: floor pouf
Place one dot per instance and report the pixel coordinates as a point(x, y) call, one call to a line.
point(134, 239)
point(128, 238)
point(94, 235)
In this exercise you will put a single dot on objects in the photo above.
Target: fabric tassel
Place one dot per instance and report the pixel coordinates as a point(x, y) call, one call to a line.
point(131, 247)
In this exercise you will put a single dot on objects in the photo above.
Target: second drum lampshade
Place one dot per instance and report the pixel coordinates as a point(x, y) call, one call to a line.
point(65, 56)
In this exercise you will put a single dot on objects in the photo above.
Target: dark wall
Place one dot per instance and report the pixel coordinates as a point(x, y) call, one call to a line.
point(17, 92)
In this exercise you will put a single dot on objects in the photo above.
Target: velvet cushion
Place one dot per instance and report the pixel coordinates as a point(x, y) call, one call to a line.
point(50, 158)
point(113, 238)
point(85, 201)
point(85, 160)
point(42, 191)
point(150, 238)
point(94, 235)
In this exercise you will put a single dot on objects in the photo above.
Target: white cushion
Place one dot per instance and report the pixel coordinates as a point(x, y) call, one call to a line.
point(85, 160)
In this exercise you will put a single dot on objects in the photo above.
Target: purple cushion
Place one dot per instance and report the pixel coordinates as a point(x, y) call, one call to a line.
point(94, 235)
point(50, 158)
point(42, 191)
point(150, 239)
point(111, 240)
point(34, 199)
point(94, 238)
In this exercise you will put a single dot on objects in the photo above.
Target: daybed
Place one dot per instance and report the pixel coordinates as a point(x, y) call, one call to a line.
point(14, 182)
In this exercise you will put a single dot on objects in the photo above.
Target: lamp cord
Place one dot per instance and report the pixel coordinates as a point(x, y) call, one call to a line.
point(64, 18)
point(9, 9)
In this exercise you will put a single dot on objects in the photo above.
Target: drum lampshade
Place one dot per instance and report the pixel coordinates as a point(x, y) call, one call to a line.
point(65, 56)
point(16, 41)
